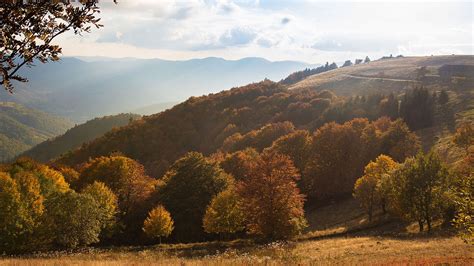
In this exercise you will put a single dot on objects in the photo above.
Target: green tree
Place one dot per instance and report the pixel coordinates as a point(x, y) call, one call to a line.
point(224, 214)
point(271, 200)
point(367, 188)
point(107, 202)
point(190, 185)
point(464, 202)
point(417, 189)
point(158, 223)
point(73, 219)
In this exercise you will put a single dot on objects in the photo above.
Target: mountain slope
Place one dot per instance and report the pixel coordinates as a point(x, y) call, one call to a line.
point(78, 135)
point(204, 123)
point(21, 128)
point(82, 90)
point(453, 73)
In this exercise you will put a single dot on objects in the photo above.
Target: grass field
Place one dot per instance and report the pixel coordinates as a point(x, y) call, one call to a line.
point(338, 234)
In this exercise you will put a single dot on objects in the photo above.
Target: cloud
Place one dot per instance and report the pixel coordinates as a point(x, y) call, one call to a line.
point(237, 36)
point(340, 43)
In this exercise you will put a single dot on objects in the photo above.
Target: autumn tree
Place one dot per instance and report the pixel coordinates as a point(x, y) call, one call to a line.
point(15, 221)
point(190, 184)
point(417, 189)
point(128, 181)
point(237, 163)
point(271, 200)
point(29, 28)
point(159, 223)
point(296, 145)
point(367, 188)
point(337, 158)
point(224, 214)
point(107, 202)
point(399, 142)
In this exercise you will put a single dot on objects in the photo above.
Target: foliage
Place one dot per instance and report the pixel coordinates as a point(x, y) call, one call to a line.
point(295, 145)
point(158, 223)
point(417, 108)
point(128, 181)
point(271, 200)
point(417, 189)
point(224, 214)
point(339, 153)
point(107, 202)
point(464, 136)
point(20, 205)
point(74, 219)
point(28, 29)
point(190, 185)
point(399, 142)
point(258, 139)
point(237, 163)
point(367, 189)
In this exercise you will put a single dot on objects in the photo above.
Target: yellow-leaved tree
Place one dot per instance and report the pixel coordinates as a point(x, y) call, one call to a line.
point(108, 204)
point(367, 189)
point(158, 223)
point(224, 214)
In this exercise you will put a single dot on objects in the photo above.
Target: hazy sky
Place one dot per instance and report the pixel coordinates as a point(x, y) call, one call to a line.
point(304, 30)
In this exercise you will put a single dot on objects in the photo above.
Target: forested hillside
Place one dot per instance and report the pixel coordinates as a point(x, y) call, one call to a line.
point(77, 136)
point(209, 123)
point(21, 128)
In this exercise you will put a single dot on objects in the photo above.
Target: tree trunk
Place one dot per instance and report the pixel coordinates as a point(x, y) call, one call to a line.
point(384, 209)
point(420, 224)
point(428, 222)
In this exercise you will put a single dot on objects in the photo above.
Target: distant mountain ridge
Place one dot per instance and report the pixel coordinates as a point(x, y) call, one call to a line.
point(82, 90)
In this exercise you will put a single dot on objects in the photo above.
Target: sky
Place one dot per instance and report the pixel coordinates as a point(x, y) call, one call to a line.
point(310, 31)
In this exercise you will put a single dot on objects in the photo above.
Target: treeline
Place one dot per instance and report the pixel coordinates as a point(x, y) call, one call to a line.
point(300, 75)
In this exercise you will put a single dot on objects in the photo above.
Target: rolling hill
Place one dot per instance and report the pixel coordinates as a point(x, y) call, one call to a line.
point(204, 123)
point(21, 128)
point(82, 90)
point(454, 74)
point(77, 136)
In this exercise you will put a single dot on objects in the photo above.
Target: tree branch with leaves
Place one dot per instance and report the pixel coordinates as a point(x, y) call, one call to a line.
point(29, 28)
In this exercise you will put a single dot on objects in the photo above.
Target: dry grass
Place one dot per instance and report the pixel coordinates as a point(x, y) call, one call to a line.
point(338, 234)
point(339, 250)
